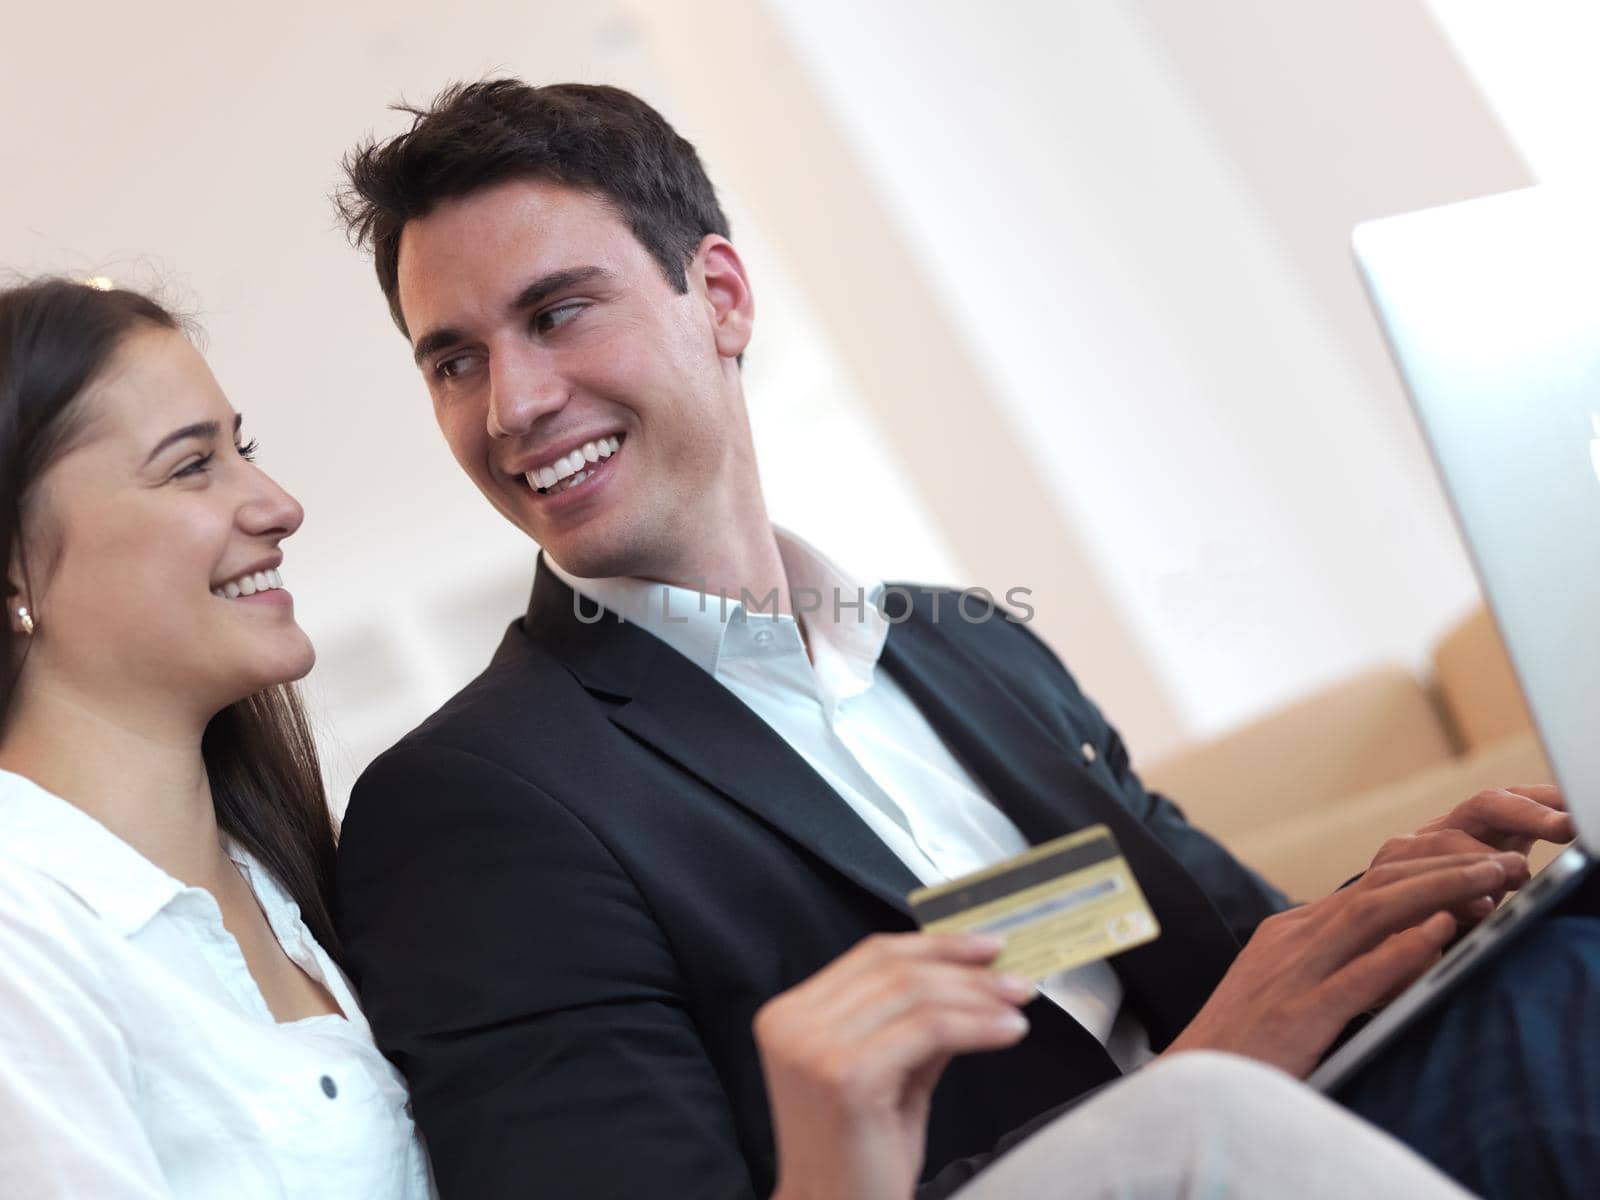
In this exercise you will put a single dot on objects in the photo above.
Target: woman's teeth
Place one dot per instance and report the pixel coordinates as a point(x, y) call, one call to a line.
point(570, 470)
point(249, 585)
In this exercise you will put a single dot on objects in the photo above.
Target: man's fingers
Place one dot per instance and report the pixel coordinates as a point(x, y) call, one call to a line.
point(1474, 910)
point(1433, 844)
point(1547, 794)
point(1501, 815)
point(1514, 865)
point(1361, 918)
point(1393, 965)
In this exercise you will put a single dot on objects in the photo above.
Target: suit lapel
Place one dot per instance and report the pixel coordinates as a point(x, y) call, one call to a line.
point(1047, 791)
point(659, 697)
point(664, 700)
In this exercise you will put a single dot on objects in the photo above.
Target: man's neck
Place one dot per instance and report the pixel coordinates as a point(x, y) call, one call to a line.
point(141, 777)
point(751, 566)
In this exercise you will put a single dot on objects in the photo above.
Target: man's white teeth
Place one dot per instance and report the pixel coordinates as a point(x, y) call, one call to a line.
point(571, 466)
point(249, 585)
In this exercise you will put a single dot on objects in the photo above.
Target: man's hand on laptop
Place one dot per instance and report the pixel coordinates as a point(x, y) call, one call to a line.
point(1308, 971)
point(1497, 819)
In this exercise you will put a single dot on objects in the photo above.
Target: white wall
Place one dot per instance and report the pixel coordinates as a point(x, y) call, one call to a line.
point(1130, 211)
point(1535, 61)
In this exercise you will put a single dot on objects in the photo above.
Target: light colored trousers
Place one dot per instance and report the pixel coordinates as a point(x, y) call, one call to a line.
point(1204, 1126)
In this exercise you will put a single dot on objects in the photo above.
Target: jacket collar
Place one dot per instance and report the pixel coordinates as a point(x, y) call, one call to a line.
point(706, 628)
point(667, 701)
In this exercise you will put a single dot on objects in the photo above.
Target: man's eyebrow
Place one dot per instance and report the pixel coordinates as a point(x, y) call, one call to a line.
point(200, 429)
point(547, 285)
point(431, 343)
point(535, 293)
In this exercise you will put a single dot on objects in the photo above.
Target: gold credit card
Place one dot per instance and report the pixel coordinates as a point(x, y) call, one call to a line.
point(1060, 905)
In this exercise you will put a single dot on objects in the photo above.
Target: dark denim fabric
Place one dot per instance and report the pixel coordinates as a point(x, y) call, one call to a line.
point(1500, 1087)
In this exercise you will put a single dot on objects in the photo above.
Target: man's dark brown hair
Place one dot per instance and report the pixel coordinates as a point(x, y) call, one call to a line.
point(599, 140)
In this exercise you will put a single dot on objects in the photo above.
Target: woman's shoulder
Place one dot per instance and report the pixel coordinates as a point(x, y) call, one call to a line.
point(61, 867)
point(38, 909)
point(54, 951)
point(33, 899)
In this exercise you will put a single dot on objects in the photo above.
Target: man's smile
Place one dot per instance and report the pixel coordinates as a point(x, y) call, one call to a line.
point(574, 467)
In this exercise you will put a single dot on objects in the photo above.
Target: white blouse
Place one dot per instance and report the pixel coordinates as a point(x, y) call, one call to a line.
point(138, 1057)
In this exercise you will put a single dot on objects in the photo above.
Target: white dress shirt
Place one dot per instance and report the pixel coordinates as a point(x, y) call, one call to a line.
point(857, 729)
point(138, 1057)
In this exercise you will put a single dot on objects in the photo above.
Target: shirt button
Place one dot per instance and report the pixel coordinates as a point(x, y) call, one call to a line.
point(1089, 752)
point(329, 1088)
point(763, 637)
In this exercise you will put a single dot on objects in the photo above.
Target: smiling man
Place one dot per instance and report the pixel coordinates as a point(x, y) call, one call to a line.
point(582, 389)
point(567, 894)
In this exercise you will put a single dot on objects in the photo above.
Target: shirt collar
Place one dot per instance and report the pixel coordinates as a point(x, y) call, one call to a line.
point(60, 840)
point(841, 614)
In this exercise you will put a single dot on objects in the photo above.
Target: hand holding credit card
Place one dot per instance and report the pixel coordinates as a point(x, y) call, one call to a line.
point(1059, 905)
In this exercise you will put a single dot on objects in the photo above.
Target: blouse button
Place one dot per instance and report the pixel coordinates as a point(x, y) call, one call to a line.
point(329, 1088)
point(1089, 754)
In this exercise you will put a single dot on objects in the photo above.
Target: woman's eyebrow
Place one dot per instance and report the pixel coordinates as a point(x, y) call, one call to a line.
point(200, 429)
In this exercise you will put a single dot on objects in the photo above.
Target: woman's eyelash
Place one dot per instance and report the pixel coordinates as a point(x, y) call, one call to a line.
point(200, 465)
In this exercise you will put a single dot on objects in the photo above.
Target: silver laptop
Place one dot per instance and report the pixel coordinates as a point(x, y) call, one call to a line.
point(1492, 311)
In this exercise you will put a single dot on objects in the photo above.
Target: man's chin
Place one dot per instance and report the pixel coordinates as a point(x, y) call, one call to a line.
point(586, 562)
point(598, 551)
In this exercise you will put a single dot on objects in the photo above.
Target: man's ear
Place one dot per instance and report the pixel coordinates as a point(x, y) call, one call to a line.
point(720, 273)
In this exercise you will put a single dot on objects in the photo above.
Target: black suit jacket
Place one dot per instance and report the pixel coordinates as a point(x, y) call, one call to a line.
point(566, 894)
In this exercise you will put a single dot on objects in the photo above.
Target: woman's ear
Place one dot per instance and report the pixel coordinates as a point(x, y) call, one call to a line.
point(19, 615)
point(18, 597)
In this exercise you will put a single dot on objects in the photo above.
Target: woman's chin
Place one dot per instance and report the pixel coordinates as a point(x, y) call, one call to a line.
point(299, 665)
point(288, 664)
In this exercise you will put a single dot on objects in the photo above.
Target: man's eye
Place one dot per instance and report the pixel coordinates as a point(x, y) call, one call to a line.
point(553, 318)
point(449, 368)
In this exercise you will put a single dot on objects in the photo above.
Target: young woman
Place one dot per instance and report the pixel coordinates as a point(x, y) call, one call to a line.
point(172, 1019)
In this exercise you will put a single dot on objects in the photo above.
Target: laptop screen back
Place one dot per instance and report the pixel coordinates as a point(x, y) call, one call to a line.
point(1492, 311)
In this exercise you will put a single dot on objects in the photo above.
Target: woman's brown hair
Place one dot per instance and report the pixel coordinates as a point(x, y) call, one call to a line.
point(56, 337)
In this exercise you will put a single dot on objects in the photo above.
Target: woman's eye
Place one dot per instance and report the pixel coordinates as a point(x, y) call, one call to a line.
point(553, 318)
point(248, 450)
point(197, 467)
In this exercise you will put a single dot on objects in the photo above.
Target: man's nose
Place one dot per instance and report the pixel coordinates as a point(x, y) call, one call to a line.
point(523, 387)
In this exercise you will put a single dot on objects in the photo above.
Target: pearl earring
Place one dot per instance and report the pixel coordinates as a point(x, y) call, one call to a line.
point(25, 619)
